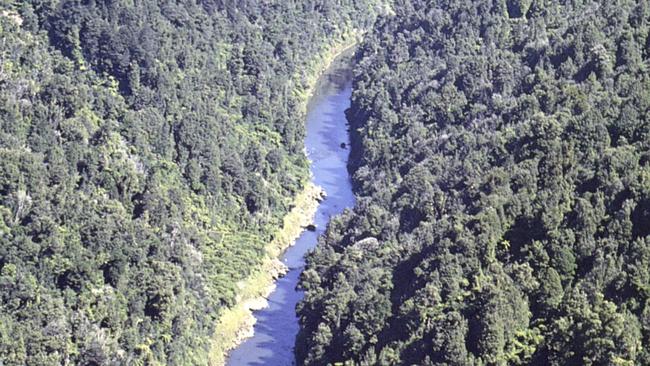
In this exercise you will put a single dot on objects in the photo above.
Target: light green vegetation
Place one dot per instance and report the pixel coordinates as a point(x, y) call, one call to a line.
point(235, 323)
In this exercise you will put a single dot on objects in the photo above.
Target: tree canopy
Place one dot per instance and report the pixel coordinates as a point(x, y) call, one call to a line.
point(148, 151)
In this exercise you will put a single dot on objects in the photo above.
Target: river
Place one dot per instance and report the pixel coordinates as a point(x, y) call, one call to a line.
point(277, 325)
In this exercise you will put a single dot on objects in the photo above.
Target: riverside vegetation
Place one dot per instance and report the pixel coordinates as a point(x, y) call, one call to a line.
point(501, 159)
point(149, 151)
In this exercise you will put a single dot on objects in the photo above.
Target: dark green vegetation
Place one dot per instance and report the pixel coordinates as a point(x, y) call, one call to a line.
point(148, 150)
point(502, 163)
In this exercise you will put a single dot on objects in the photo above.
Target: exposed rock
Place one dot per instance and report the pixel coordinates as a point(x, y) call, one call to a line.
point(321, 196)
point(278, 269)
point(13, 16)
point(366, 244)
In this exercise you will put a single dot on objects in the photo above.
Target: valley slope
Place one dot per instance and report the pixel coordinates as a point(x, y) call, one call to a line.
point(149, 151)
point(501, 161)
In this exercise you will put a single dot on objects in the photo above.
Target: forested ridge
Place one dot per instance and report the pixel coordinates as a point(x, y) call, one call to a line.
point(501, 160)
point(148, 151)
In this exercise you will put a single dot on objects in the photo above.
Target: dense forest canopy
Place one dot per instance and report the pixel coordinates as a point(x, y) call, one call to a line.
point(501, 159)
point(148, 150)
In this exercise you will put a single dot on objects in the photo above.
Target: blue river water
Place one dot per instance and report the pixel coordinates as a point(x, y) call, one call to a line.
point(277, 325)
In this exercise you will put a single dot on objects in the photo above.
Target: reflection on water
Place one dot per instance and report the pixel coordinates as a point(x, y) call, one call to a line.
point(277, 325)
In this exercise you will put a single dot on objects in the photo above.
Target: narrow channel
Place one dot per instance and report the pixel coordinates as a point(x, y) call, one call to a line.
point(327, 144)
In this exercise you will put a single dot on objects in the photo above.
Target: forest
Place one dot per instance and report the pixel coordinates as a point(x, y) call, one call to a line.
point(148, 152)
point(501, 162)
point(500, 157)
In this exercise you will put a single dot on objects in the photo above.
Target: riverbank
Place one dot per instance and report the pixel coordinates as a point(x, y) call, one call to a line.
point(237, 323)
point(324, 62)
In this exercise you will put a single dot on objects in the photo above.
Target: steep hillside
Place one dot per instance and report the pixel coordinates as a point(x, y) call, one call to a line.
point(502, 167)
point(148, 151)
